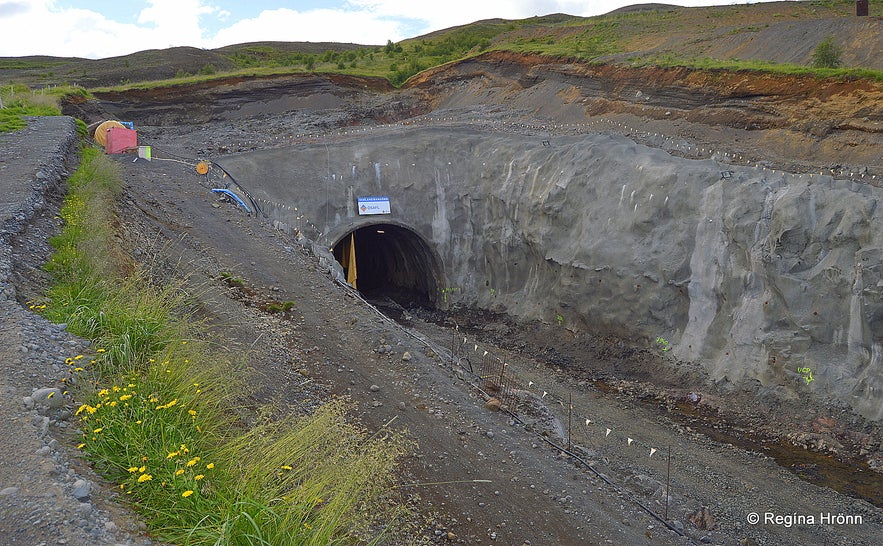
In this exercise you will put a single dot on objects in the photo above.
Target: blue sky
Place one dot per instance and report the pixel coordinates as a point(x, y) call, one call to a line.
point(104, 28)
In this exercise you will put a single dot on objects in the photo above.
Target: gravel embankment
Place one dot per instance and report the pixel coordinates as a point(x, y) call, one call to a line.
point(47, 494)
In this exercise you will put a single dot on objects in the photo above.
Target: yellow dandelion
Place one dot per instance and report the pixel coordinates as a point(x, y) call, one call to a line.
point(113, 404)
point(78, 357)
point(210, 466)
point(100, 350)
point(179, 472)
point(184, 342)
point(122, 486)
point(125, 397)
point(133, 469)
point(138, 422)
point(173, 454)
point(115, 389)
point(97, 430)
point(78, 369)
point(81, 446)
point(187, 493)
point(286, 467)
point(198, 477)
point(103, 392)
point(142, 469)
point(68, 360)
point(192, 413)
point(196, 384)
point(193, 461)
point(81, 409)
point(144, 478)
point(184, 449)
point(308, 526)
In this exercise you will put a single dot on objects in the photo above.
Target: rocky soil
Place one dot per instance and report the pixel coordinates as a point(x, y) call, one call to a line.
point(48, 495)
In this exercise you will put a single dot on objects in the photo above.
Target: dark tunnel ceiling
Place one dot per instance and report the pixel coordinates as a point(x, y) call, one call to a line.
point(394, 262)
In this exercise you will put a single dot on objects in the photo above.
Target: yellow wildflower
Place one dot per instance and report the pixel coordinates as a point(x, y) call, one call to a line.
point(179, 472)
point(210, 466)
point(97, 430)
point(125, 397)
point(100, 350)
point(142, 469)
point(133, 469)
point(187, 493)
point(103, 392)
point(81, 446)
point(78, 357)
point(193, 461)
point(198, 477)
point(144, 478)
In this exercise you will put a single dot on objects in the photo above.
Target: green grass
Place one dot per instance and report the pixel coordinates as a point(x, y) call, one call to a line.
point(737, 65)
point(19, 101)
point(162, 408)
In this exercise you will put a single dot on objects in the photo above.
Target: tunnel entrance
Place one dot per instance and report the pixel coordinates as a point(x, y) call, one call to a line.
point(390, 262)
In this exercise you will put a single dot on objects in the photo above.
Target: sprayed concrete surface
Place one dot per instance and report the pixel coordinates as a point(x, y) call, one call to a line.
point(763, 277)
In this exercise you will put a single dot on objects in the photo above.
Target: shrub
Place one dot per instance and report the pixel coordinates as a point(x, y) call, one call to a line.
point(827, 54)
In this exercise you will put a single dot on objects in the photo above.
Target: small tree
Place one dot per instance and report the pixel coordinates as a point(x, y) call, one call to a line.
point(827, 54)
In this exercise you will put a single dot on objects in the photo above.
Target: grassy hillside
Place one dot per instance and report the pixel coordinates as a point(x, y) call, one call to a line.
point(768, 36)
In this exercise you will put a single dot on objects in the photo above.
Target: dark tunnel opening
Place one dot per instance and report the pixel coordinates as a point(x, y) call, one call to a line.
point(391, 262)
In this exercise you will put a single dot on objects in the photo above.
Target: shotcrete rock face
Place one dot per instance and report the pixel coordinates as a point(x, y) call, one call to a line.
point(755, 274)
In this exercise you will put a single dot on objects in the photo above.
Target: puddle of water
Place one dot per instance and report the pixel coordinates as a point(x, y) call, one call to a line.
point(853, 478)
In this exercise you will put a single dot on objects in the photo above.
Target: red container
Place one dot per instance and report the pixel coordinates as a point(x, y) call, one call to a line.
point(121, 140)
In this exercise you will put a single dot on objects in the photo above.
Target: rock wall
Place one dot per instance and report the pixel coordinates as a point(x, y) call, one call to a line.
point(758, 275)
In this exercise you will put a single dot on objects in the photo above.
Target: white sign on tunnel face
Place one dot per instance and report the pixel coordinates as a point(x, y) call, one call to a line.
point(373, 205)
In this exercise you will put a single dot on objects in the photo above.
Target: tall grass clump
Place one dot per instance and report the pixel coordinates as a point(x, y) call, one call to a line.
point(161, 407)
point(19, 101)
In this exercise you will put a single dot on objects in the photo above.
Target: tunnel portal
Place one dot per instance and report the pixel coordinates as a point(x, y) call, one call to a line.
point(390, 261)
